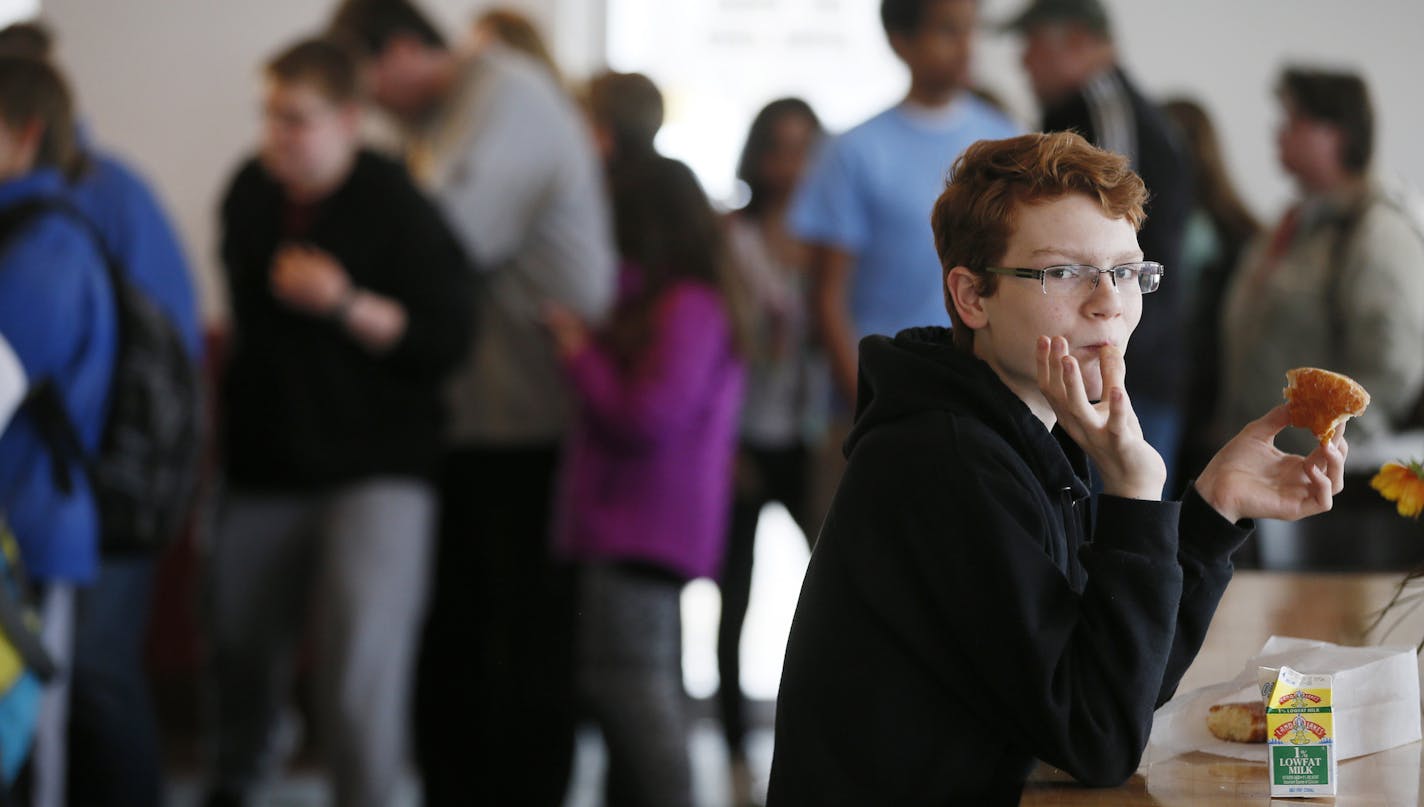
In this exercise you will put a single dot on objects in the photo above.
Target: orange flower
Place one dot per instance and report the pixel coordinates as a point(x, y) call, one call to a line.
point(1403, 484)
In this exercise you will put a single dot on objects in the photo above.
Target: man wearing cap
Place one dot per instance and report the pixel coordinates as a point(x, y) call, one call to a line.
point(1071, 61)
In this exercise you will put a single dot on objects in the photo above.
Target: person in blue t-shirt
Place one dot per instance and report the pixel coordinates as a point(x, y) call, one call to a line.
point(862, 207)
point(57, 325)
point(113, 743)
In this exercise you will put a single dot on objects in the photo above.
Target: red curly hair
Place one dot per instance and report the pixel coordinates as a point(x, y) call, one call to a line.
point(974, 217)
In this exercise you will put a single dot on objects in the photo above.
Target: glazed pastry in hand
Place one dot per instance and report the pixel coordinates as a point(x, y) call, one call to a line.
point(1322, 401)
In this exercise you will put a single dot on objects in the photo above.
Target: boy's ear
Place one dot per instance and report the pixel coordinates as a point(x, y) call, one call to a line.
point(963, 288)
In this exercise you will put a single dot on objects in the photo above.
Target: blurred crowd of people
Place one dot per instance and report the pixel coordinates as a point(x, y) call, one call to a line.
point(486, 405)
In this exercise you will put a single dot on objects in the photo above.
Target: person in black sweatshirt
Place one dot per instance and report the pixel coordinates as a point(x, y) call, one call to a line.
point(350, 303)
point(1071, 60)
point(970, 606)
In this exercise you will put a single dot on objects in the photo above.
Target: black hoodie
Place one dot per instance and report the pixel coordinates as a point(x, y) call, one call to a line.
point(960, 618)
point(306, 406)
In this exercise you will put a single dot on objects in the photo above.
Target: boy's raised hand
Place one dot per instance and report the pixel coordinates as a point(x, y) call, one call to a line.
point(1108, 430)
point(308, 279)
point(1251, 478)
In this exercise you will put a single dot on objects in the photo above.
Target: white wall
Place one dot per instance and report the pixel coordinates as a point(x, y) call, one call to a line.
point(172, 84)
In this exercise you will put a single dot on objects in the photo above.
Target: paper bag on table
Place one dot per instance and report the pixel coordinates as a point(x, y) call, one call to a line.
point(1376, 700)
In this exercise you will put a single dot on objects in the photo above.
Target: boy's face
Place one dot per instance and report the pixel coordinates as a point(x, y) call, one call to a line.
point(938, 52)
point(306, 138)
point(1072, 229)
point(782, 165)
point(397, 77)
point(1309, 149)
point(19, 147)
point(1056, 57)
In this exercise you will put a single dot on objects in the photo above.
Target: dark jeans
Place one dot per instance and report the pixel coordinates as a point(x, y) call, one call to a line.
point(494, 709)
point(629, 651)
point(114, 757)
point(764, 475)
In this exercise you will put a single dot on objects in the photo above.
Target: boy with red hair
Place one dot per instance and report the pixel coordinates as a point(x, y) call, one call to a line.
point(970, 606)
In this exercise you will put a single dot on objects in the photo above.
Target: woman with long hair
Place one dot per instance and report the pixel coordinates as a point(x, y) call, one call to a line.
point(778, 417)
point(647, 481)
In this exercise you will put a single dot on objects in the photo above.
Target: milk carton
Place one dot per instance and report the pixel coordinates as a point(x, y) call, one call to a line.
point(1300, 735)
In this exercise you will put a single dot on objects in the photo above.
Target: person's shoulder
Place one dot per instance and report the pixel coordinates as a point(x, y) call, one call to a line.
point(994, 121)
point(882, 125)
point(942, 443)
point(511, 64)
point(56, 252)
point(109, 169)
point(1397, 209)
point(247, 177)
point(1389, 227)
point(517, 78)
point(854, 152)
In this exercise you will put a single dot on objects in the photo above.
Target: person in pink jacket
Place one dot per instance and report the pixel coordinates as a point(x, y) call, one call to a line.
point(647, 482)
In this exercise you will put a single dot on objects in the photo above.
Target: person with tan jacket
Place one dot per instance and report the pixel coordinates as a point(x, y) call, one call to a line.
point(1337, 282)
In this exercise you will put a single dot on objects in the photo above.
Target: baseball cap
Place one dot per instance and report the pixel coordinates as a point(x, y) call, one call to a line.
point(1089, 13)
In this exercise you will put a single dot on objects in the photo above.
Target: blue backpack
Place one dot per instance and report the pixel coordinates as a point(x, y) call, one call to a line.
point(145, 471)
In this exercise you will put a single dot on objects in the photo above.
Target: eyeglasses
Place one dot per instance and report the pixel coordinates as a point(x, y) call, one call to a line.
point(1079, 280)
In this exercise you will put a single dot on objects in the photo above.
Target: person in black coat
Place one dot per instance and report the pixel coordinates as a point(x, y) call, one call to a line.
point(970, 606)
point(1071, 61)
point(351, 303)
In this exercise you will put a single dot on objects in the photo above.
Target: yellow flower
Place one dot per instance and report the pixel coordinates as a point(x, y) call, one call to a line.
point(1403, 484)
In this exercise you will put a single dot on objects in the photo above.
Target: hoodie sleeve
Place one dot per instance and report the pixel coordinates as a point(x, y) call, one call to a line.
point(430, 276)
point(1074, 676)
point(1204, 552)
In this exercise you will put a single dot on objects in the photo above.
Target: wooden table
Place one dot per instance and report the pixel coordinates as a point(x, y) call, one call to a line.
point(1335, 608)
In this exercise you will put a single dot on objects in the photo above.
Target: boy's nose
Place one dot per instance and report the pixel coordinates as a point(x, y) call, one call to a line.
point(1104, 299)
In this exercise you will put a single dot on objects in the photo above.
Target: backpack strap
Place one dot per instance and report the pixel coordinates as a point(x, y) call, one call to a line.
point(15, 218)
point(56, 430)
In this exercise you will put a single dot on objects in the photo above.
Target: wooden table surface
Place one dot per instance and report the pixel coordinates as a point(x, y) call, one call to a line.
point(1335, 608)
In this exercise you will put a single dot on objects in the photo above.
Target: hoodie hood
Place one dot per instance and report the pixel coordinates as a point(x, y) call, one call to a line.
point(920, 370)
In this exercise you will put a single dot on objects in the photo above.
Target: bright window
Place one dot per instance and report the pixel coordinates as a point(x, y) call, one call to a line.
point(17, 10)
point(719, 61)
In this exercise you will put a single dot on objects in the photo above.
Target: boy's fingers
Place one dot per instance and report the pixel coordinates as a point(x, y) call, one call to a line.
point(1335, 467)
point(1271, 423)
point(1056, 391)
point(1119, 411)
point(1320, 487)
point(1112, 366)
point(1076, 396)
point(1041, 350)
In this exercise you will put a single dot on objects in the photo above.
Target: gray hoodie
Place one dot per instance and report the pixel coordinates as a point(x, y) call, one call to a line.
point(513, 169)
